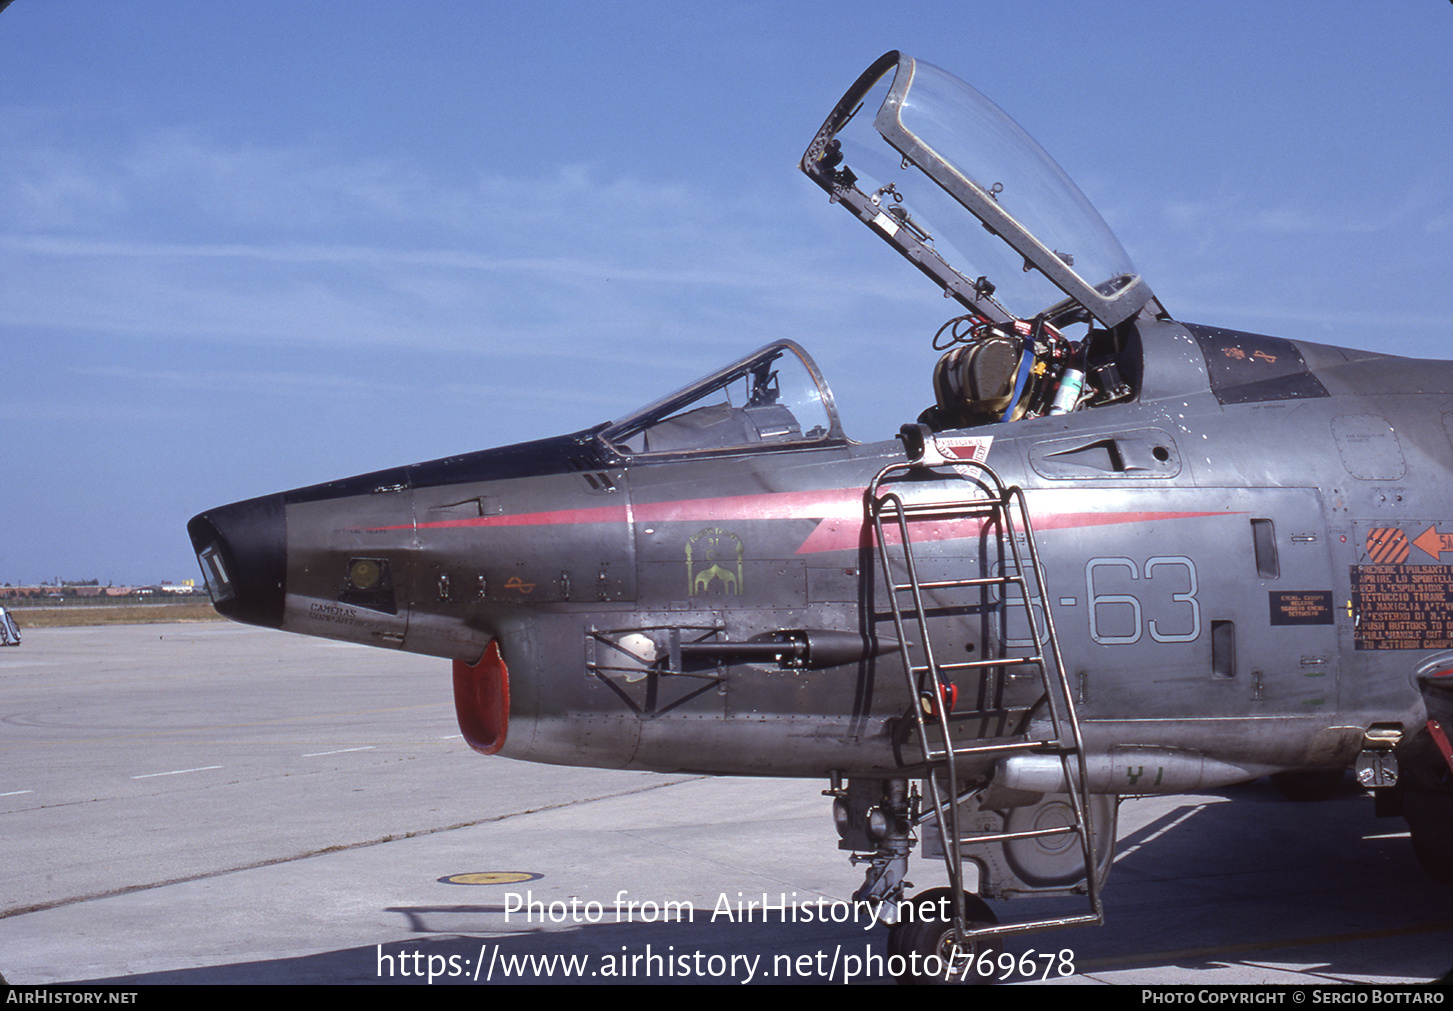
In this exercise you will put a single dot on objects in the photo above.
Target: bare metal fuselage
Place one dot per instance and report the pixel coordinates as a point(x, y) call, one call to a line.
point(1204, 552)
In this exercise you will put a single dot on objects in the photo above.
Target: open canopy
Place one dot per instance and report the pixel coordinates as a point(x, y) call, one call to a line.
point(983, 172)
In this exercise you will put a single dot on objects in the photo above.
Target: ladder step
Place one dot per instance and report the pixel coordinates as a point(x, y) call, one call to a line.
point(1008, 661)
point(1004, 661)
point(1029, 926)
point(999, 749)
point(959, 584)
point(1031, 833)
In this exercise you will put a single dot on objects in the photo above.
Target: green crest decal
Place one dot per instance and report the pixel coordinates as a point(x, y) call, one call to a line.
point(714, 554)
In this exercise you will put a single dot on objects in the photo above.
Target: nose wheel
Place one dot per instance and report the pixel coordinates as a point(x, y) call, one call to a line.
point(924, 941)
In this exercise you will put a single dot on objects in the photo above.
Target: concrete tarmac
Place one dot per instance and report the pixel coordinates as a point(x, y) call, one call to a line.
point(217, 804)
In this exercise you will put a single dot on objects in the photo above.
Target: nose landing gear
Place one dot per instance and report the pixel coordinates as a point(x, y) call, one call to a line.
point(928, 950)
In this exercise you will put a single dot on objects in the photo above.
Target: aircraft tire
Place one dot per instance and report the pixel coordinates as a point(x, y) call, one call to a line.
point(916, 940)
point(1309, 784)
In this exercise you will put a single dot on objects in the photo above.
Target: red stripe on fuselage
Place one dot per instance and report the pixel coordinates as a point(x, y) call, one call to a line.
point(853, 534)
point(839, 512)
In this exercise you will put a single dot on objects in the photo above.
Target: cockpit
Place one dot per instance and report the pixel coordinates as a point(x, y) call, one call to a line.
point(1046, 323)
point(991, 373)
point(775, 397)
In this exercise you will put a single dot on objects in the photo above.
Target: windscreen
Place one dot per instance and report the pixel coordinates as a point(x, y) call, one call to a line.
point(773, 397)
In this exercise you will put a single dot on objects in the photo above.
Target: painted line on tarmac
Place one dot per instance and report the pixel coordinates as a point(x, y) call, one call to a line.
point(340, 751)
point(1154, 958)
point(176, 772)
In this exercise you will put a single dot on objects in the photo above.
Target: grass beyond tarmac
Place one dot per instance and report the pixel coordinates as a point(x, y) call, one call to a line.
point(119, 614)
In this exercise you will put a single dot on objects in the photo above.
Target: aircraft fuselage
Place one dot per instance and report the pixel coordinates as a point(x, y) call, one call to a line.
point(1234, 562)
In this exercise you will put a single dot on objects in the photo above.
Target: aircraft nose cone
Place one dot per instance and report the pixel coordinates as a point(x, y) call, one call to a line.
point(242, 549)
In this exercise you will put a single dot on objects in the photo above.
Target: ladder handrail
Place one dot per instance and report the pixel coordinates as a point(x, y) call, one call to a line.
point(994, 504)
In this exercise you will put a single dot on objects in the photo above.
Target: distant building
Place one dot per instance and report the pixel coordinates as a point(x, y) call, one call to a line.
point(74, 591)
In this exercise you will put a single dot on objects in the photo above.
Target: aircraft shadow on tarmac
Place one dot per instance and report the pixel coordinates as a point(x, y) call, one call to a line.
point(1205, 891)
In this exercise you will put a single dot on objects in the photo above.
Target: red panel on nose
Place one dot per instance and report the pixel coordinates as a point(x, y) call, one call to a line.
point(482, 700)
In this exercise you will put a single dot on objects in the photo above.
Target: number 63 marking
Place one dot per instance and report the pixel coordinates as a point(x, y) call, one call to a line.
point(1185, 597)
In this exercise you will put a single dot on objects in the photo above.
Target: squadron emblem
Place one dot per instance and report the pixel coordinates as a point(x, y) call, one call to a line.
point(714, 554)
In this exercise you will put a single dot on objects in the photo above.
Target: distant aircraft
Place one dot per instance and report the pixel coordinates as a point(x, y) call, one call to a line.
point(1119, 555)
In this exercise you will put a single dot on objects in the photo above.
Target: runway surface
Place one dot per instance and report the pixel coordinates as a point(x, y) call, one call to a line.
point(216, 804)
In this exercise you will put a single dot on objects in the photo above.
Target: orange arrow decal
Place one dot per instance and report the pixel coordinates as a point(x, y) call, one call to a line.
point(1434, 543)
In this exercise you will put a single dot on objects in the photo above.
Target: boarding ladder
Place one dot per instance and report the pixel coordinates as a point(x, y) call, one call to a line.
point(967, 498)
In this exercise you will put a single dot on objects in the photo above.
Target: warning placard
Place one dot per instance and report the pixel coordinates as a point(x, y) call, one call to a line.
point(1301, 607)
point(1403, 606)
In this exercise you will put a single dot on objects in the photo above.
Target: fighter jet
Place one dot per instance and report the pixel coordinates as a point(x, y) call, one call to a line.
point(1119, 554)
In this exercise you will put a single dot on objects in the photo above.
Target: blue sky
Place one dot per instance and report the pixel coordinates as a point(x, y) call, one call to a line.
point(249, 247)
